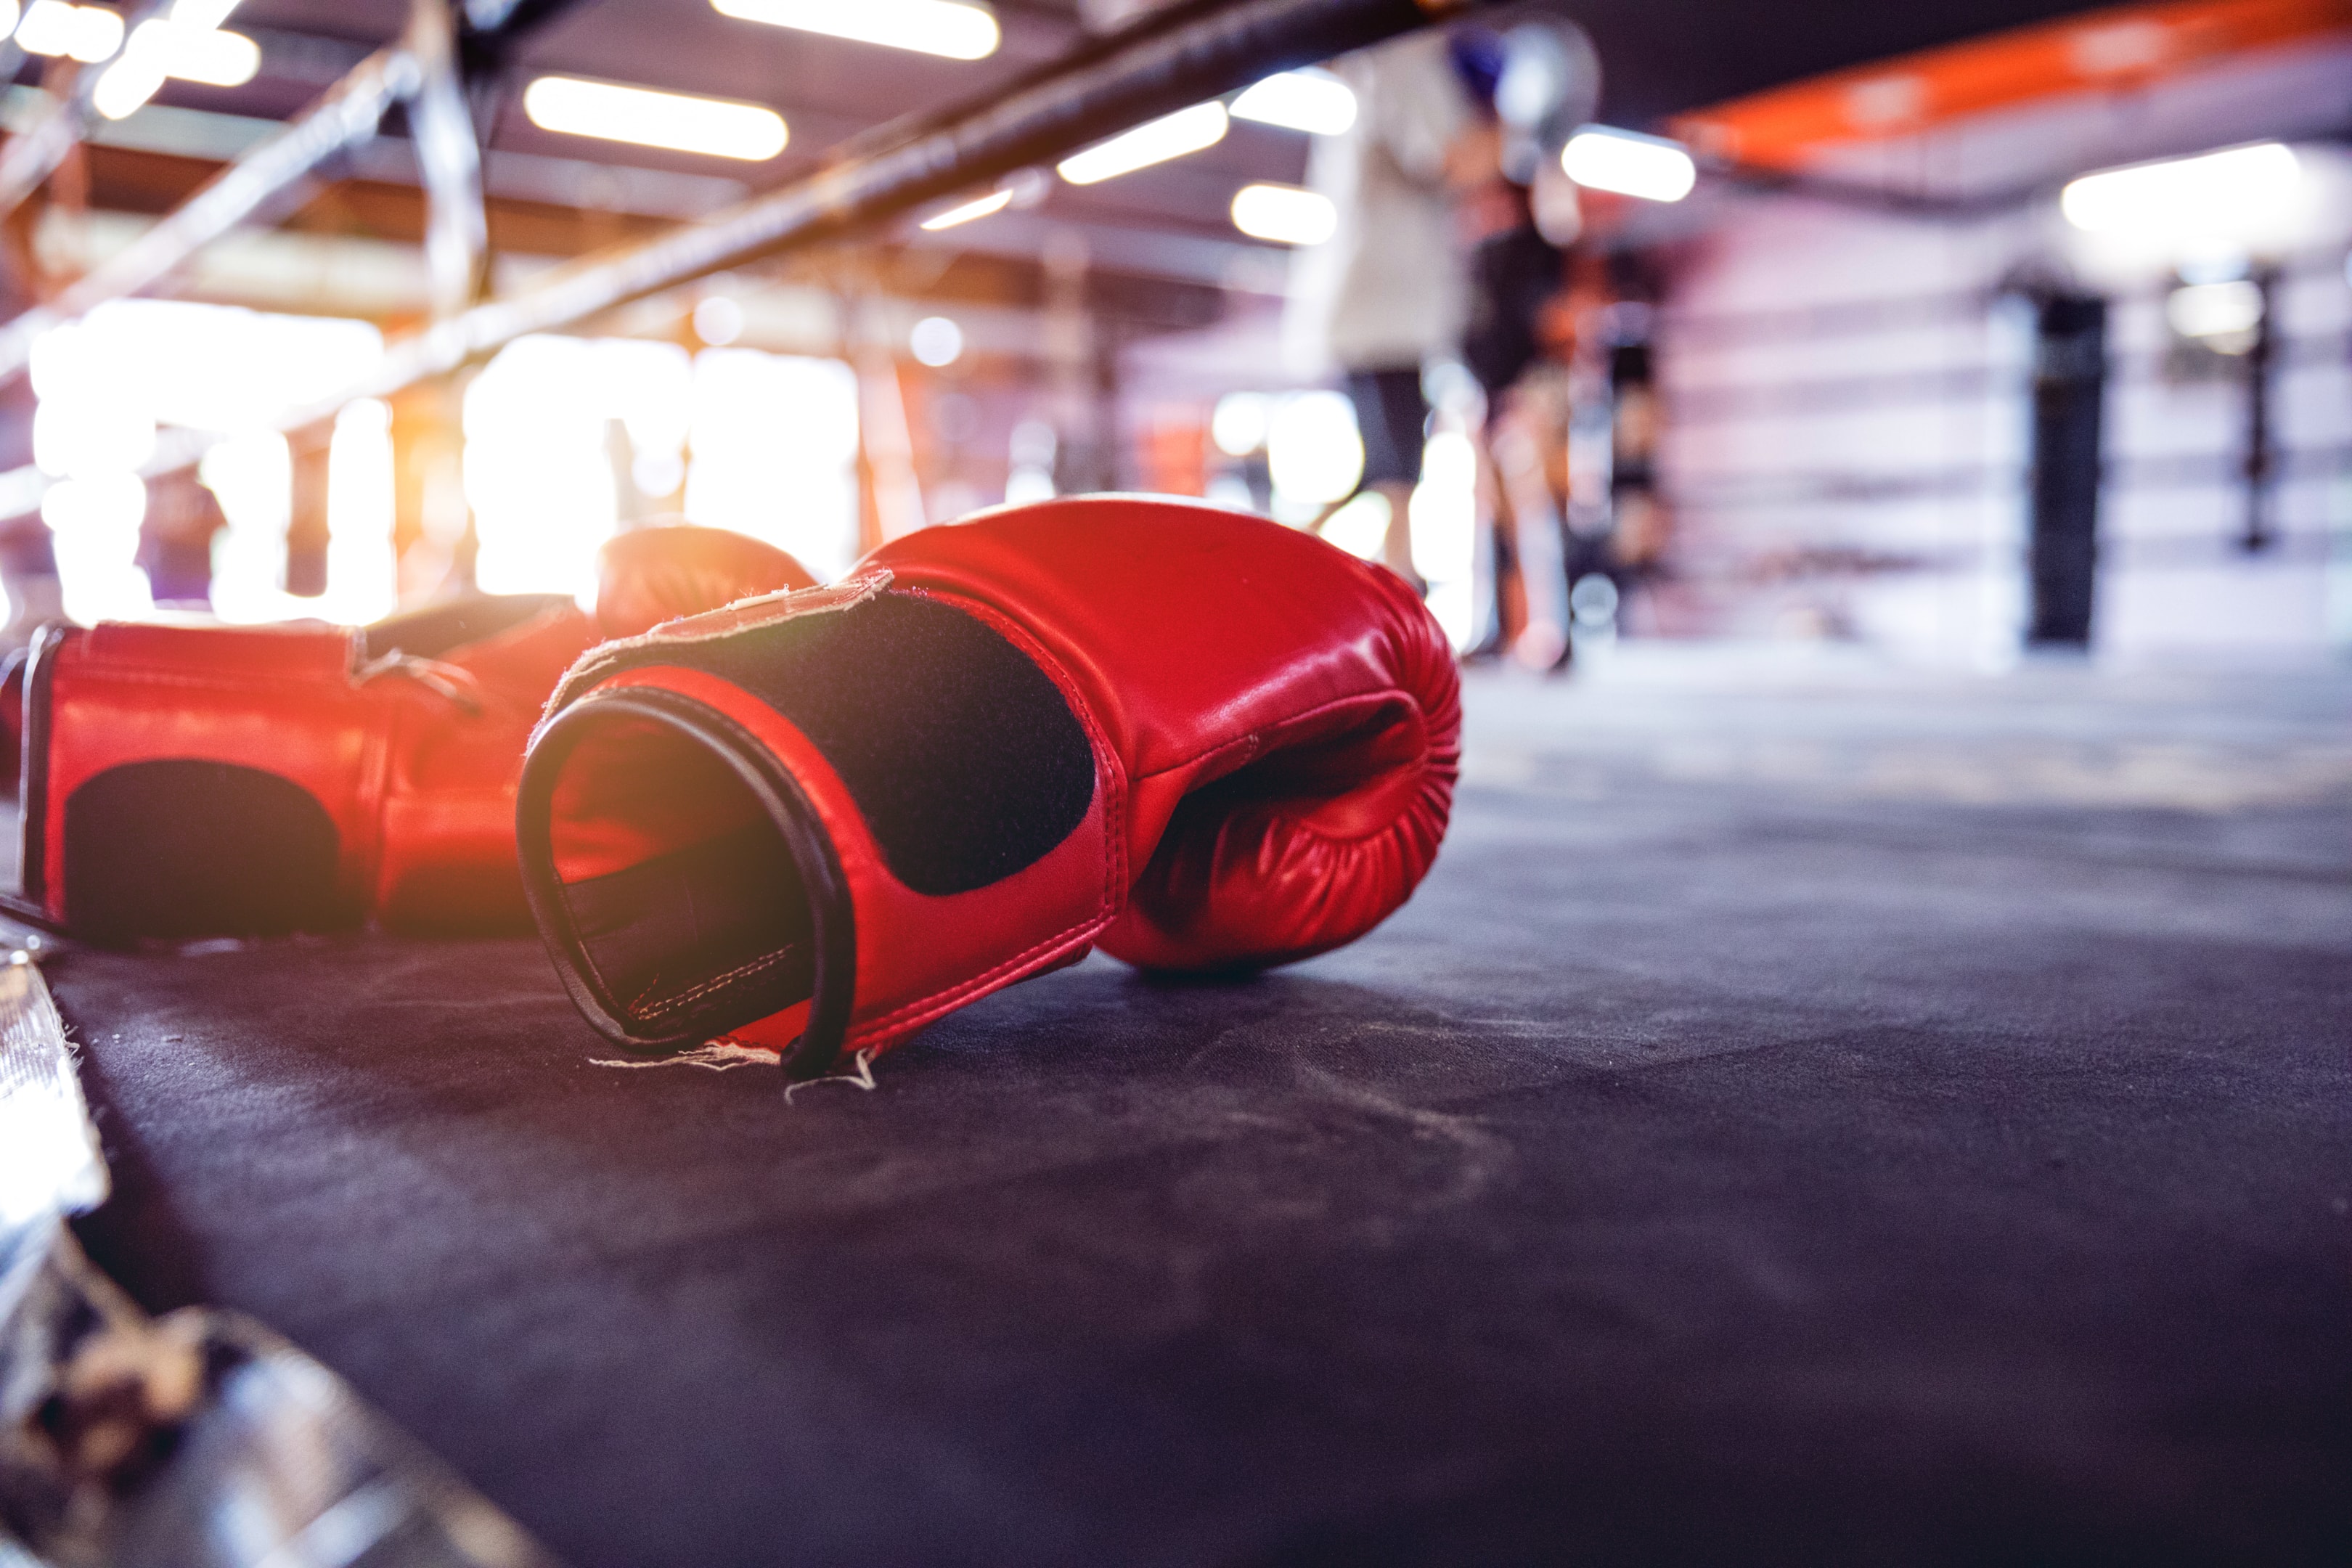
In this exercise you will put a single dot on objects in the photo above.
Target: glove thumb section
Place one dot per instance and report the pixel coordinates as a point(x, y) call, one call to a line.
point(1320, 837)
point(657, 575)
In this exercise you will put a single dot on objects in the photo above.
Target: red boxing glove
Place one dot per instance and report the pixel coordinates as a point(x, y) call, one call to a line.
point(211, 781)
point(657, 575)
point(1201, 739)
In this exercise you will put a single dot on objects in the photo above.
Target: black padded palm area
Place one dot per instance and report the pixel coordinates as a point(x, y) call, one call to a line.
point(179, 848)
point(961, 754)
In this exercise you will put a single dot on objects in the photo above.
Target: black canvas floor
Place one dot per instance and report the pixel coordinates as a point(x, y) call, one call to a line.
point(1817, 1118)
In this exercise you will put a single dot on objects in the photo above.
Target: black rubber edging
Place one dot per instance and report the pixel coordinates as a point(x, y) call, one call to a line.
point(832, 918)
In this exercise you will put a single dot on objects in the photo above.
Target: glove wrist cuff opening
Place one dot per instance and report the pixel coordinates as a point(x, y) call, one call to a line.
point(682, 878)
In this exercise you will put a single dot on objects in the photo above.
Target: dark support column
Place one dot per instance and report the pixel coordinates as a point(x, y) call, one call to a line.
point(306, 528)
point(2261, 455)
point(2070, 374)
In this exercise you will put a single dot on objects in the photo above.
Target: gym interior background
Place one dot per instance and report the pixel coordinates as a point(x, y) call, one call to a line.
point(1871, 1076)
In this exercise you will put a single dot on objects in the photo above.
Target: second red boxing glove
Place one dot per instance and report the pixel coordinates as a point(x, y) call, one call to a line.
point(186, 782)
point(1196, 737)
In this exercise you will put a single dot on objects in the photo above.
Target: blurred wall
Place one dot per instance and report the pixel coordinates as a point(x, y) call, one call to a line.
point(1849, 391)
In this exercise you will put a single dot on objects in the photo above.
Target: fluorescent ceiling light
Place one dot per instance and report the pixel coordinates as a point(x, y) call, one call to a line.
point(1284, 214)
point(205, 55)
point(202, 13)
point(2213, 192)
point(158, 48)
point(1603, 158)
point(127, 85)
point(994, 202)
point(677, 120)
point(949, 27)
point(1153, 142)
point(85, 32)
point(1312, 100)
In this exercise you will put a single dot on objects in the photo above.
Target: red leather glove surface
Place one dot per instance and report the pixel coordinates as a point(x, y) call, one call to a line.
point(1288, 719)
point(213, 781)
point(1199, 738)
point(655, 575)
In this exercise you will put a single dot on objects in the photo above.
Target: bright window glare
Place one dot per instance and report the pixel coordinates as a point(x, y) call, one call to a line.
point(2216, 193)
point(1285, 215)
point(775, 453)
point(936, 340)
point(1650, 167)
point(1312, 447)
point(540, 464)
point(977, 208)
point(1311, 100)
point(85, 32)
point(106, 381)
point(1361, 527)
point(1443, 516)
point(959, 32)
point(252, 476)
point(94, 527)
point(1153, 142)
point(1445, 508)
point(209, 367)
point(1238, 424)
point(719, 128)
point(79, 440)
point(361, 585)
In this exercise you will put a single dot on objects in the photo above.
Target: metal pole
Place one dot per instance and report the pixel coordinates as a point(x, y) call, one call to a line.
point(2261, 461)
point(1168, 61)
point(449, 160)
point(349, 112)
point(34, 154)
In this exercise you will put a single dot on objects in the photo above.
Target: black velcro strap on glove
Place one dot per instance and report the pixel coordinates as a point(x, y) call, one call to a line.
point(963, 757)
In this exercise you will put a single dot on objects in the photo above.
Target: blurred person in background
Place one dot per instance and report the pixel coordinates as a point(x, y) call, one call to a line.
point(1517, 215)
point(1388, 292)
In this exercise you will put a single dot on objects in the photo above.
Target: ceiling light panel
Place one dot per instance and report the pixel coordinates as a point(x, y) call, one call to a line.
point(1602, 158)
point(946, 27)
point(1153, 142)
point(85, 32)
point(160, 49)
point(980, 207)
point(2214, 192)
point(1285, 215)
point(202, 13)
point(680, 122)
point(1311, 100)
point(206, 55)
